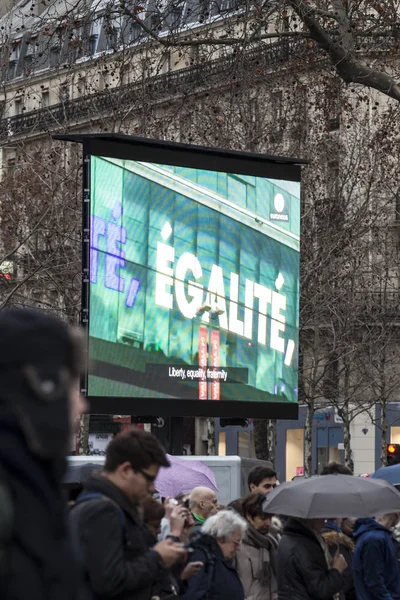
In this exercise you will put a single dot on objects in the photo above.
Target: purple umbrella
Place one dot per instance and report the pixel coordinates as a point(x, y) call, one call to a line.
point(182, 476)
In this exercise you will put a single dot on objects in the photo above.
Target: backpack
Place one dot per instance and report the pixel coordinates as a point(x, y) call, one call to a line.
point(202, 544)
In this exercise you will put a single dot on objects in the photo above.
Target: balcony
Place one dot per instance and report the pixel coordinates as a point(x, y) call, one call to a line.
point(74, 112)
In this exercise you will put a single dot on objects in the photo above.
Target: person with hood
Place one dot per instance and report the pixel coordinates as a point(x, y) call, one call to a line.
point(256, 558)
point(41, 360)
point(375, 566)
point(305, 568)
point(336, 539)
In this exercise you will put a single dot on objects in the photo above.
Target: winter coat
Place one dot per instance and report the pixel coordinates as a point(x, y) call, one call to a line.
point(115, 545)
point(337, 540)
point(218, 578)
point(375, 566)
point(37, 562)
point(256, 566)
point(396, 540)
point(303, 573)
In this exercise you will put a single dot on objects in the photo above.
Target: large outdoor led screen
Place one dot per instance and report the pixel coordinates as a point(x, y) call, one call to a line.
point(194, 289)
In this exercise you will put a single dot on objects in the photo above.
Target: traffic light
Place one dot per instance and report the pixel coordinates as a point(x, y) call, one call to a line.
point(234, 422)
point(393, 454)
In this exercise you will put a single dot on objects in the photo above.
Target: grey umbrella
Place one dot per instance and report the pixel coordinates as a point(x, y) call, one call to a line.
point(333, 496)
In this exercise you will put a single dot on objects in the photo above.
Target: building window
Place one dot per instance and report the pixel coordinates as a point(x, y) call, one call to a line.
point(113, 33)
point(54, 56)
point(14, 59)
point(134, 32)
point(11, 165)
point(29, 59)
point(81, 87)
point(228, 5)
point(64, 94)
point(95, 30)
point(18, 106)
point(45, 101)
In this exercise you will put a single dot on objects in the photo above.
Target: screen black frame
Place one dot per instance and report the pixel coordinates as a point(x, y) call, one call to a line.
point(185, 155)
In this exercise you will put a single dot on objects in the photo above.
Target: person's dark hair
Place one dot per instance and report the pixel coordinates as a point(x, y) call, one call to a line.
point(252, 505)
point(152, 510)
point(335, 468)
point(136, 446)
point(236, 505)
point(257, 474)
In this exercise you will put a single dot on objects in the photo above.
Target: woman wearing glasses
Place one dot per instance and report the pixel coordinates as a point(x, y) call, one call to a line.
point(218, 579)
point(256, 558)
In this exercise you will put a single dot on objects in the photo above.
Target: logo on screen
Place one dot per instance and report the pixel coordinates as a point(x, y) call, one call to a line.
point(279, 211)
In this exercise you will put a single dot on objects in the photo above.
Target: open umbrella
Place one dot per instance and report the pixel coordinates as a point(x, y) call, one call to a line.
point(390, 474)
point(182, 476)
point(333, 496)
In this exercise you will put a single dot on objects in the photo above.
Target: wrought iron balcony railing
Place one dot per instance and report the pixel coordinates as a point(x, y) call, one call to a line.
point(261, 59)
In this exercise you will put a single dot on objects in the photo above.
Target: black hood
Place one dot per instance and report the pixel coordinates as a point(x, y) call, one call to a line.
point(38, 363)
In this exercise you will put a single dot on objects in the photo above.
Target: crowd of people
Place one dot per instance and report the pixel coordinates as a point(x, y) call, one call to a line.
point(117, 541)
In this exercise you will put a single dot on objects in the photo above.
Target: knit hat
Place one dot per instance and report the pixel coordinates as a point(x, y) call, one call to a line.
point(39, 359)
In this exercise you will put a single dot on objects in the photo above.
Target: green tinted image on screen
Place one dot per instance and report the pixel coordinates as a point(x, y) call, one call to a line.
point(194, 283)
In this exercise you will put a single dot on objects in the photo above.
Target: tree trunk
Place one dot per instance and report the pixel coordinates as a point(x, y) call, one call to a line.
point(383, 405)
point(260, 428)
point(308, 441)
point(83, 435)
point(211, 437)
point(271, 439)
point(348, 455)
point(384, 430)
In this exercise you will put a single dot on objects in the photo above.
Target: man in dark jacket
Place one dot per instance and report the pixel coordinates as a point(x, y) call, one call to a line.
point(303, 563)
point(375, 566)
point(105, 522)
point(40, 364)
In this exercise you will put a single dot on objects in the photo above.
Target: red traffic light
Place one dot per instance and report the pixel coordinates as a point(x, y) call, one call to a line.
point(391, 449)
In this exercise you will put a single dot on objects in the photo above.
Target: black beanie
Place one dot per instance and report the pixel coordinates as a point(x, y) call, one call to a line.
point(39, 359)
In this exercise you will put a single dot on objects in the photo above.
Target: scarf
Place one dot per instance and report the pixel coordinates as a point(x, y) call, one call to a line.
point(268, 546)
point(323, 545)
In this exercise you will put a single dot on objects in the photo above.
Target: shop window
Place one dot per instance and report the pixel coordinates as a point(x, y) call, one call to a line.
point(294, 453)
point(395, 435)
point(243, 439)
point(222, 443)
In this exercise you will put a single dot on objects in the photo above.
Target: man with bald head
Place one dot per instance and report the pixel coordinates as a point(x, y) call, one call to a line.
point(203, 503)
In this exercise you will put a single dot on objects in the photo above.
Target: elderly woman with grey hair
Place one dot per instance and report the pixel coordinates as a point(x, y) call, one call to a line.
point(221, 536)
